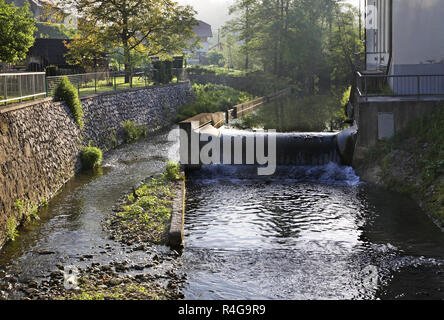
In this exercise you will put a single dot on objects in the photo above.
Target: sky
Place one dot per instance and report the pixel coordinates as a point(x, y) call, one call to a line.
point(215, 12)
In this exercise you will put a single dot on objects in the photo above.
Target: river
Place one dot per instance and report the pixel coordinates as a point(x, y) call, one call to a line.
point(306, 233)
point(313, 232)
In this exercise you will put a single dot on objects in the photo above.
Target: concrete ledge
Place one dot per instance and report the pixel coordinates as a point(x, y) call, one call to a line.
point(22, 105)
point(176, 233)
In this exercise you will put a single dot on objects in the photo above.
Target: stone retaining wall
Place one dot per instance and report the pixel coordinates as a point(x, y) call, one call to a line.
point(40, 141)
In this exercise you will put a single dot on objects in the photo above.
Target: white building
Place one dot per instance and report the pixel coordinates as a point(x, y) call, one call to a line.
point(406, 37)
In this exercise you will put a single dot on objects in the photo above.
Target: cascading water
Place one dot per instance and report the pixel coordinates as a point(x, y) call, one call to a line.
point(296, 149)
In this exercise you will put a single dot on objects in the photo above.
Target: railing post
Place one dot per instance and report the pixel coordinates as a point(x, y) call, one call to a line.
point(95, 82)
point(6, 90)
point(78, 88)
point(46, 86)
point(20, 87)
point(33, 86)
point(418, 83)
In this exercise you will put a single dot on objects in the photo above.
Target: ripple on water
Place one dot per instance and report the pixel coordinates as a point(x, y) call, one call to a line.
point(305, 233)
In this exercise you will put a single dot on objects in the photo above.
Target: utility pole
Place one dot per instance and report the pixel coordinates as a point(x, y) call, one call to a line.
point(360, 21)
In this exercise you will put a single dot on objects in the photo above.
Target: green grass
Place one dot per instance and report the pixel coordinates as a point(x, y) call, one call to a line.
point(212, 98)
point(216, 70)
point(107, 86)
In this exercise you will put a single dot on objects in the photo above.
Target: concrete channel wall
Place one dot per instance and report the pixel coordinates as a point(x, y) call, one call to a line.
point(40, 141)
point(381, 117)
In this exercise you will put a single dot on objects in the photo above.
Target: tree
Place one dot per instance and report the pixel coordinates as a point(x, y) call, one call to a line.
point(17, 29)
point(150, 27)
point(216, 58)
point(87, 47)
point(314, 42)
point(243, 25)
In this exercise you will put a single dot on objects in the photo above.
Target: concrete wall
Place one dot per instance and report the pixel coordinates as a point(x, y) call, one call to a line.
point(40, 141)
point(404, 112)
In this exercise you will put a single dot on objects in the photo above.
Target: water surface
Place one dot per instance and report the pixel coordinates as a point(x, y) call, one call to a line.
point(306, 233)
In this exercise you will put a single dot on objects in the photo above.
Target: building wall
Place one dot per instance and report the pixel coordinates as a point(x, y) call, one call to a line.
point(378, 34)
point(418, 37)
point(40, 141)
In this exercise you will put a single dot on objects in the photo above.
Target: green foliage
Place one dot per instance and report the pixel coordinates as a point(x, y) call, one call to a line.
point(27, 210)
point(133, 132)
point(257, 83)
point(151, 210)
point(65, 91)
point(310, 113)
point(216, 58)
point(11, 229)
point(113, 138)
point(52, 31)
point(212, 98)
point(172, 171)
point(215, 70)
point(147, 27)
point(16, 32)
point(422, 143)
point(312, 42)
point(91, 157)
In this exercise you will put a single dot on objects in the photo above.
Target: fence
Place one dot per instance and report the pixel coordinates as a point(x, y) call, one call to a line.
point(21, 86)
point(90, 83)
point(243, 109)
point(371, 85)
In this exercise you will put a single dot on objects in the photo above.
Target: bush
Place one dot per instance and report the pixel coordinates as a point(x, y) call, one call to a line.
point(91, 157)
point(65, 91)
point(212, 98)
point(133, 132)
point(172, 171)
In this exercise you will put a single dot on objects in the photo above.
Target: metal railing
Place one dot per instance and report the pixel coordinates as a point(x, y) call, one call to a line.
point(373, 85)
point(91, 83)
point(21, 86)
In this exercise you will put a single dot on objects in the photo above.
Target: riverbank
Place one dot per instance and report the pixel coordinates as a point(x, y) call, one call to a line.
point(140, 222)
point(412, 163)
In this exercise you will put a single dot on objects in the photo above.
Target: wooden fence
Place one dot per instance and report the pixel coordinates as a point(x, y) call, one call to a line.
point(245, 108)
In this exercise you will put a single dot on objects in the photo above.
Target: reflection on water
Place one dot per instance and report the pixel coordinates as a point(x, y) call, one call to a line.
point(71, 225)
point(302, 238)
point(316, 113)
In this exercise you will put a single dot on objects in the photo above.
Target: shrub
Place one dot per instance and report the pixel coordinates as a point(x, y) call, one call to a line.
point(212, 98)
point(91, 157)
point(11, 229)
point(133, 132)
point(65, 91)
point(172, 171)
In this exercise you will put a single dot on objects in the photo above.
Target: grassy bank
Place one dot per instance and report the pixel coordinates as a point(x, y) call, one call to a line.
point(212, 98)
point(145, 214)
point(258, 83)
point(412, 162)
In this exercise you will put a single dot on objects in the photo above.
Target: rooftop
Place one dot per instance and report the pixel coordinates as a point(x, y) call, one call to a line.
point(203, 29)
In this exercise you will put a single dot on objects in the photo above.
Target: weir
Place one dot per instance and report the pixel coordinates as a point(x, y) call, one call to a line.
point(204, 140)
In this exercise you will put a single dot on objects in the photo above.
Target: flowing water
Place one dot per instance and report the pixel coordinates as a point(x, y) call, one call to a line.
point(307, 232)
point(71, 226)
